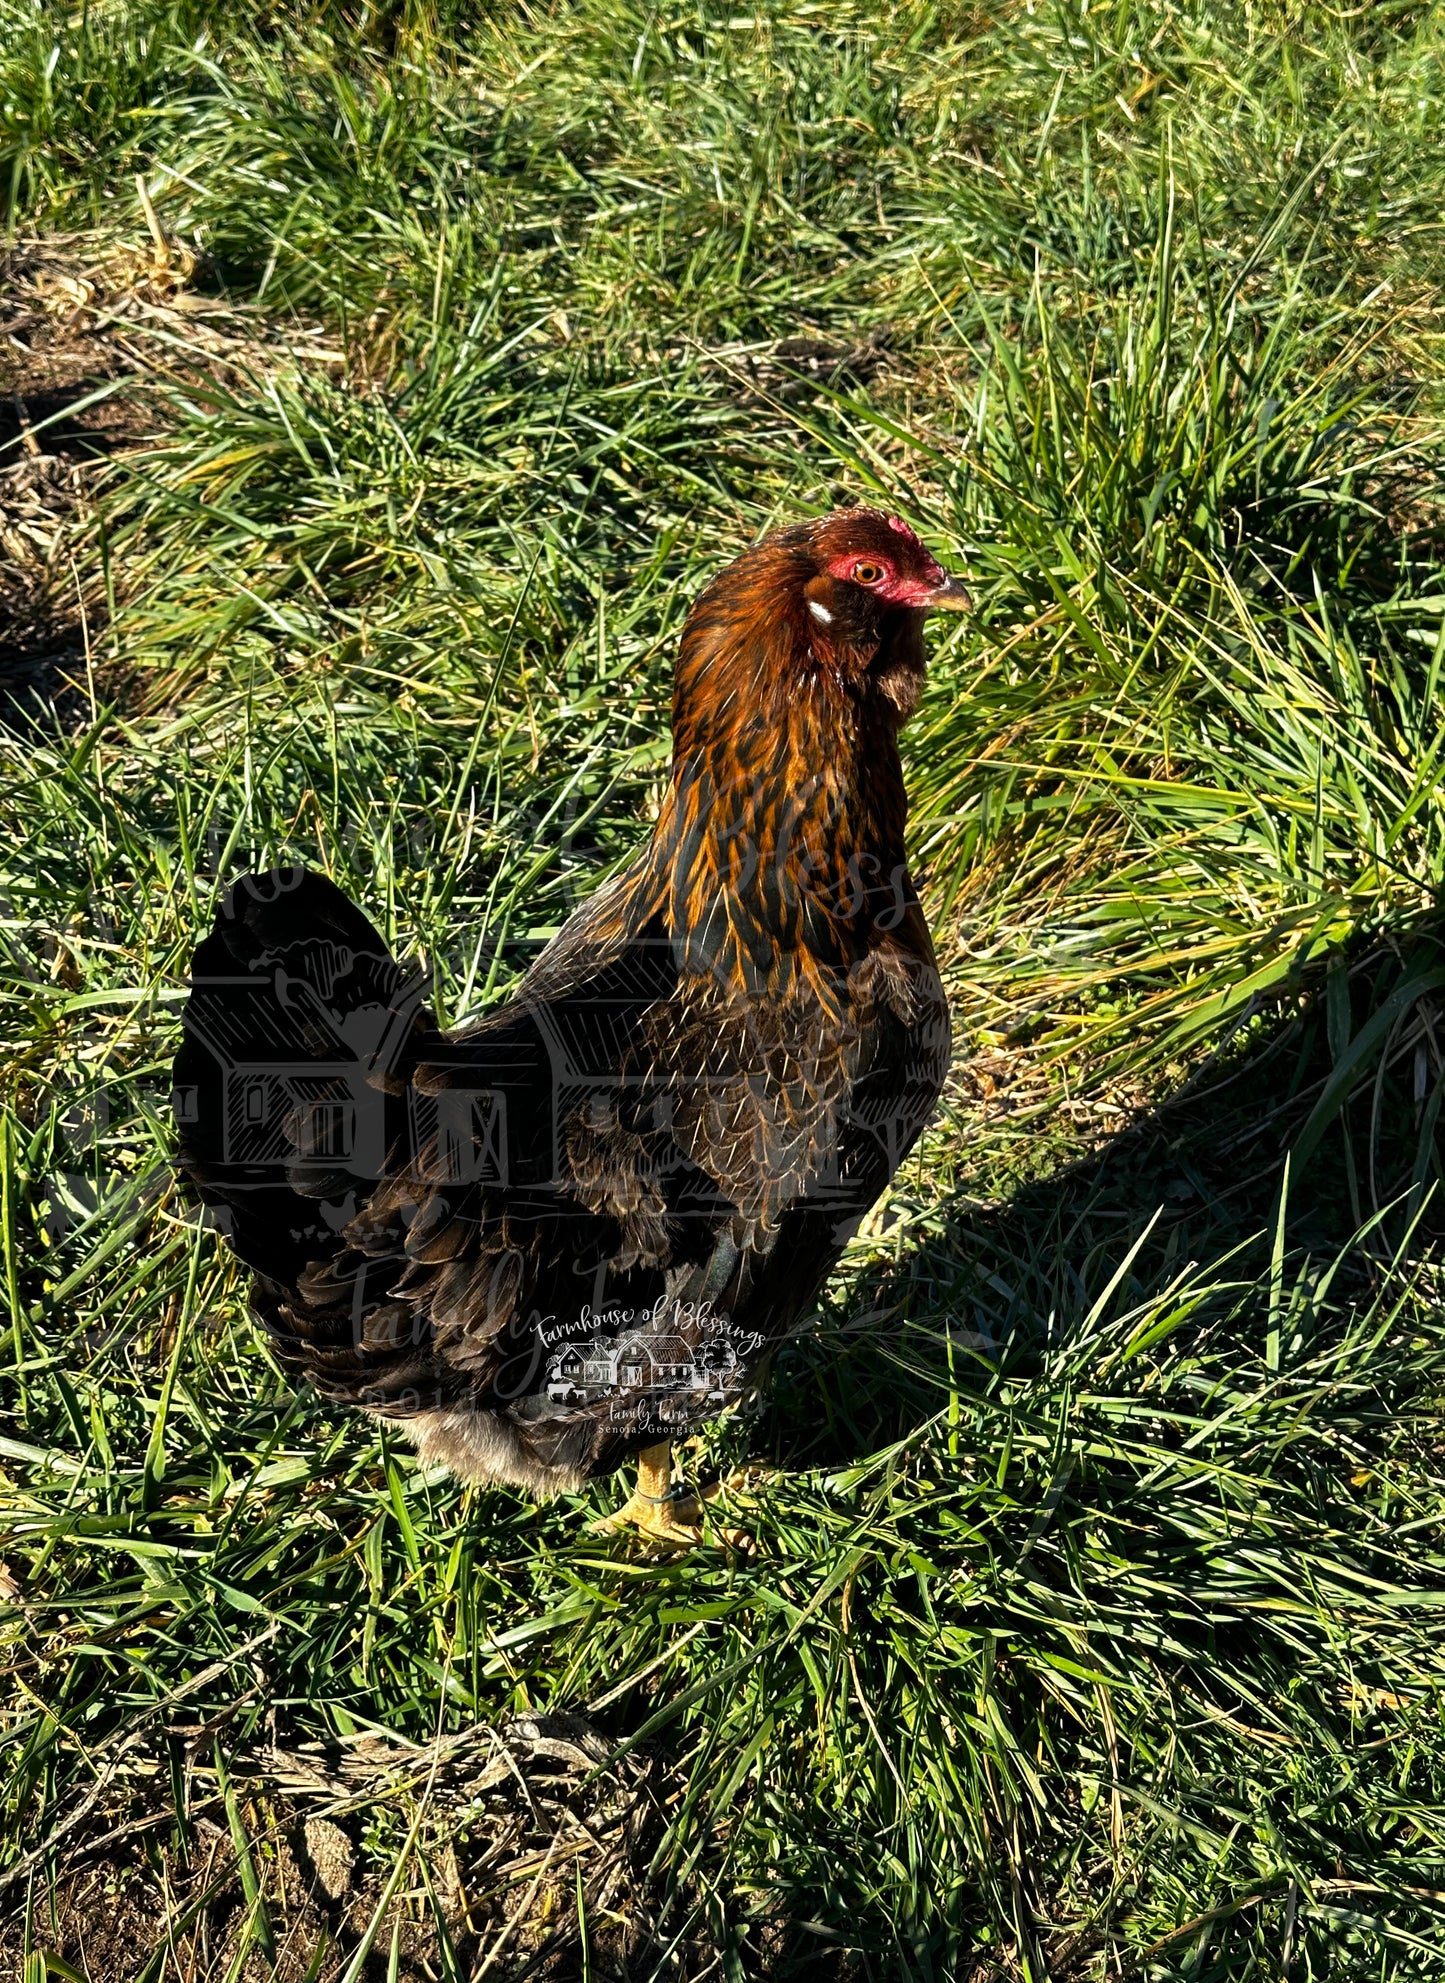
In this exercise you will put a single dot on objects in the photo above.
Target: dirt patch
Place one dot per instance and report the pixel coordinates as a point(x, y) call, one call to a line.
point(63, 411)
point(789, 372)
point(42, 643)
point(88, 330)
point(501, 1847)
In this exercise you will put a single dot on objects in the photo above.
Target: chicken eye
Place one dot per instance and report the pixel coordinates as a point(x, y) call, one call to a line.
point(867, 574)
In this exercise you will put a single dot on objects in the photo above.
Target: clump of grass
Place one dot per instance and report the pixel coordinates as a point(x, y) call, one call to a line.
point(483, 485)
point(1092, 1620)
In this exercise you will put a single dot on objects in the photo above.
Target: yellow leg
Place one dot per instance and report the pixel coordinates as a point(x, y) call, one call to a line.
point(652, 1510)
point(656, 1512)
point(654, 1473)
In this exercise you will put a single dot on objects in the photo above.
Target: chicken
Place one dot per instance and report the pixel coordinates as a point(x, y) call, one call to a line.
point(576, 1228)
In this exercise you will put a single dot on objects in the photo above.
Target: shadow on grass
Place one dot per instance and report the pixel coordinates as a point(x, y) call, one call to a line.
point(1171, 1380)
point(59, 424)
point(1332, 1096)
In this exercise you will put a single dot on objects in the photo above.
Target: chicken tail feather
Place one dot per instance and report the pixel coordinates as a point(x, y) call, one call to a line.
point(290, 1084)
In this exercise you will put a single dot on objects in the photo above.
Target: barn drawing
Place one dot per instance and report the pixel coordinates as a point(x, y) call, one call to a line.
point(327, 1114)
point(580, 1372)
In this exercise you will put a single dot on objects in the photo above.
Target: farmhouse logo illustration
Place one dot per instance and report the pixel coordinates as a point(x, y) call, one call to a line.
point(674, 1372)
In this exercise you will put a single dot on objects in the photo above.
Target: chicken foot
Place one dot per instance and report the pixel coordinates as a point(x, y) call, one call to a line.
point(661, 1509)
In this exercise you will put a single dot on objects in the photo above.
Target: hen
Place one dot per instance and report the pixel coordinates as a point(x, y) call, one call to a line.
point(577, 1227)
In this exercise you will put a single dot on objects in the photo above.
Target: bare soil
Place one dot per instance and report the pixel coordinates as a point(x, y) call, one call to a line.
point(88, 330)
point(516, 1827)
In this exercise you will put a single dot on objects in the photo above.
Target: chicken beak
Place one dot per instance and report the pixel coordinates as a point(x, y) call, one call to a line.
point(953, 596)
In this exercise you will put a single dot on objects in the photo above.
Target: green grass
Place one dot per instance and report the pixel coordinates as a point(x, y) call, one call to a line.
point(1094, 1624)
